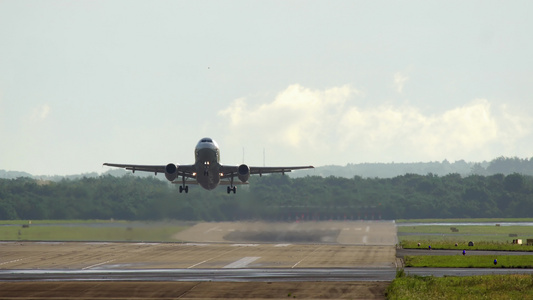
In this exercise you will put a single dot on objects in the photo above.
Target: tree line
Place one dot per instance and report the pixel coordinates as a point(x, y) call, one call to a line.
point(273, 197)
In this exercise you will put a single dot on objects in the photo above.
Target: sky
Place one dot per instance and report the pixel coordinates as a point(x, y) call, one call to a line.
point(280, 83)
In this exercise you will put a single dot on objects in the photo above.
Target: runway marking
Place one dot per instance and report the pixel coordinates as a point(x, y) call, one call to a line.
point(245, 245)
point(190, 267)
point(241, 263)
point(306, 257)
point(11, 261)
point(365, 238)
point(99, 264)
point(212, 229)
point(282, 245)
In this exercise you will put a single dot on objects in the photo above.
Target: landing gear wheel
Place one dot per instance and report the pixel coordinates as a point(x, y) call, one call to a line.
point(234, 189)
point(186, 189)
point(228, 189)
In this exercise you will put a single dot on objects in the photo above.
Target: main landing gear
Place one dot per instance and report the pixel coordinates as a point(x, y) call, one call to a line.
point(184, 187)
point(232, 189)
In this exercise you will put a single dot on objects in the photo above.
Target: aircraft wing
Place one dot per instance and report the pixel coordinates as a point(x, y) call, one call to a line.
point(228, 170)
point(183, 170)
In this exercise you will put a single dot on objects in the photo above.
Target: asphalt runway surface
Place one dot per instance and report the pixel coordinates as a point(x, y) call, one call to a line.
point(313, 260)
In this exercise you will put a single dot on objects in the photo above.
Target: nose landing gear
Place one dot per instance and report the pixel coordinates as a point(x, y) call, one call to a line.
point(206, 171)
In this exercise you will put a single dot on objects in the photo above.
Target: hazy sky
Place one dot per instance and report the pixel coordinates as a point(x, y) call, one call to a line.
point(311, 82)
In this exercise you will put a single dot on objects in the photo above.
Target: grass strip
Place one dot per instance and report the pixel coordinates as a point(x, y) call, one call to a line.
point(470, 287)
point(469, 261)
point(479, 220)
point(450, 245)
point(468, 230)
point(52, 222)
point(159, 233)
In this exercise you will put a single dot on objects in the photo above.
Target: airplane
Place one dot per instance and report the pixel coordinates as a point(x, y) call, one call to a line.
point(207, 170)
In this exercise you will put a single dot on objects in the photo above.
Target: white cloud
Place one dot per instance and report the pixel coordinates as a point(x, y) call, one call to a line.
point(327, 122)
point(399, 81)
point(40, 113)
point(295, 117)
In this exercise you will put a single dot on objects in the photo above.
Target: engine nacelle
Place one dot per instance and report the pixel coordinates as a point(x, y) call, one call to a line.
point(171, 172)
point(244, 173)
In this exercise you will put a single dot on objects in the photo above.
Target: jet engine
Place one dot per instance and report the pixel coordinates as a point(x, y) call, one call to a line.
point(244, 173)
point(171, 172)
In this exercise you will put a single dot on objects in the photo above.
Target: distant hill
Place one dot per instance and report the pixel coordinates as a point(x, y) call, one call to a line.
point(16, 174)
point(389, 170)
point(500, 165)
point(13, 174)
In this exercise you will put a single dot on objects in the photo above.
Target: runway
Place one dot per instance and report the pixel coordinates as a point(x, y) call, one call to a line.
point(349, 260)
point(222, 245)
point(313, 260)
point(139, 256)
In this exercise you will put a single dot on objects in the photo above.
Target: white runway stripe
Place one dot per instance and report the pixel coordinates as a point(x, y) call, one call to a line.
point(241, 263)
point(11, 261)
point(99, 264)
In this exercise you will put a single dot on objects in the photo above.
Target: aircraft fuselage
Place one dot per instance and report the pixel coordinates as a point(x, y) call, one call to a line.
point(207, 162)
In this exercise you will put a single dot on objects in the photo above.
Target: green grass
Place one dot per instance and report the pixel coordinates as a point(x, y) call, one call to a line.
point(50, 222)
point(450, 245)
point(469, 261)
point(463, 234)
point(472, 287)
point(469, 230)
point(480, 220)
point(93, 231)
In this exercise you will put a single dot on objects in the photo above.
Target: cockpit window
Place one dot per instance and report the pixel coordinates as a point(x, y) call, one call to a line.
point(206, 140)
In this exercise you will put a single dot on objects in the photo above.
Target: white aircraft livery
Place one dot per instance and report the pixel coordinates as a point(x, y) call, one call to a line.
point(207, 170)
